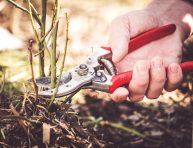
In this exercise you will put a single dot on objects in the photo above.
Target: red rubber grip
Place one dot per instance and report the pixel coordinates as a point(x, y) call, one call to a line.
point(148, 37)
point(187, 67)
point(125, 78)
point(139, 41)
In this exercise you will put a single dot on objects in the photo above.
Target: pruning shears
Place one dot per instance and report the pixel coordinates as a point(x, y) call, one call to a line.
point(98, 72)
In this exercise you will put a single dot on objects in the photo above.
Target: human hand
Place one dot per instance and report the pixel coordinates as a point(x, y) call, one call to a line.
point(154, 65)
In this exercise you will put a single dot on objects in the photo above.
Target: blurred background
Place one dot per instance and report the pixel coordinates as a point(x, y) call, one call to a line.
point(89, 23)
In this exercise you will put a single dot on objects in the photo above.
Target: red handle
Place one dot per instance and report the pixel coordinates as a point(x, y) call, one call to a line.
point(139, 41)
point(125, 78)
point(148, 37)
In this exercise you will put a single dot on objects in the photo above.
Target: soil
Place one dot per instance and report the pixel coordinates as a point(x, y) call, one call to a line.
point(97, 123)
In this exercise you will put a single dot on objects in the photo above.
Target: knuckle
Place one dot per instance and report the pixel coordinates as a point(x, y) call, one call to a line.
point(160, 80)
point(142, 83)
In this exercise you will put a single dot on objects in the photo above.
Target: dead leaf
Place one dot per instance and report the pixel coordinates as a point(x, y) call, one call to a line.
point(46, 133)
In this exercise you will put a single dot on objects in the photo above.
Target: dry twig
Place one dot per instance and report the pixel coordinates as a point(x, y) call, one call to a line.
point(32, 69)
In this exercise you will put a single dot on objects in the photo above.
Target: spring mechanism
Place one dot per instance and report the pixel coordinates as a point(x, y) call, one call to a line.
point(109, 66)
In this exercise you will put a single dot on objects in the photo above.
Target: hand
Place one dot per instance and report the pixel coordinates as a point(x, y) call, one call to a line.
point(154, 65)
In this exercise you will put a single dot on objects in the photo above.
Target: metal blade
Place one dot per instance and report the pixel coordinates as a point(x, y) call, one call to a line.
point(75, 83)
point(44, 82)
point(79, 76)
point(68, 88)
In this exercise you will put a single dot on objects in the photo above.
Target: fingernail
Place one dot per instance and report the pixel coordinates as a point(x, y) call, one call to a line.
point(141, 66)
point(158, 63)
point(174, 68)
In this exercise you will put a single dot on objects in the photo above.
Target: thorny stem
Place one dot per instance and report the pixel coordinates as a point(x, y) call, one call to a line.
point(32, 22)
point(35, 15)
point(54, 45)
point(32, 69)
point(50, 30)
point(63, 61)
point(41, 56)
point(42, 44)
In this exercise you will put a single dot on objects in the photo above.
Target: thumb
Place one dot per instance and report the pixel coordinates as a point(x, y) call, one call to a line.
point(128, 26)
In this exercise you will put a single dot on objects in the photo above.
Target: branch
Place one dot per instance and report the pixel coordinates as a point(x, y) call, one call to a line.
point(63, 61)
point(54, 45)
point(35, 15)
point(32, 70)
point(50, 30)
point(32, 22)
point(41, 56)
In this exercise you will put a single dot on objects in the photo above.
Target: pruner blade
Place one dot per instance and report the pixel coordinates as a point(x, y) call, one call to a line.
point(45, 82)
point(76, 81)
point(76, 78)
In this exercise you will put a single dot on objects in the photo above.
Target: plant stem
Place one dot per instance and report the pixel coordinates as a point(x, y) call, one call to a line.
point(120, 126)
point(41, 58)
point(35, 15)
point(63, 61)
point(127, 129)
point(42, 45)
point(54, 45)
point(50, 31)
point(32, 70)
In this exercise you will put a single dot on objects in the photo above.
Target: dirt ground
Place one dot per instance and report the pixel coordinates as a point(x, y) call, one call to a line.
point(90, 118)
point(26, 122)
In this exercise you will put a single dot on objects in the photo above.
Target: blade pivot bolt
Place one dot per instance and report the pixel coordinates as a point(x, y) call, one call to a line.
point(83, 70)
